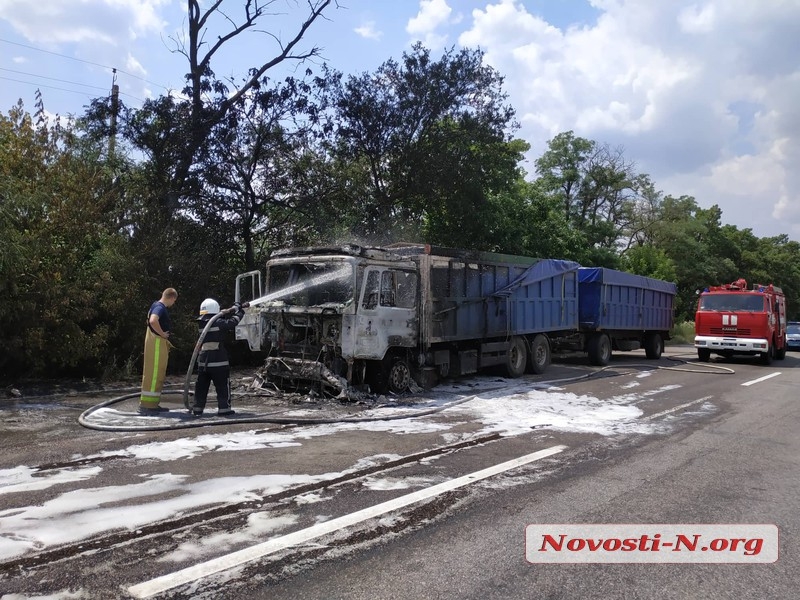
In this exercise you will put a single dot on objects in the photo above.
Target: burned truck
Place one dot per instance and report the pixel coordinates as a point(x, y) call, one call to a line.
point(405, 314)
point(332, 318)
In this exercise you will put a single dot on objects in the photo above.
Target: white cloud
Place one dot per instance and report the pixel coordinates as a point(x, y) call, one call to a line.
point(432, 14)
point(50, 22)
point(696, 19)
point(701, 95)
point(367, 30)
point(134, 66)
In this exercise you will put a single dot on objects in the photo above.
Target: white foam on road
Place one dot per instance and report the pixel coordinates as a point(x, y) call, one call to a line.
point(161, 584)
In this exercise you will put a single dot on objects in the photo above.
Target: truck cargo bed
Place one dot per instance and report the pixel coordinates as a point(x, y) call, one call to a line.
point(615, 300)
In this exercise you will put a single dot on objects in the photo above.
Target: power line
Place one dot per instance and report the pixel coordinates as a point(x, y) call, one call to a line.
point(88, 62)
point(61, 89)
point(96, 87)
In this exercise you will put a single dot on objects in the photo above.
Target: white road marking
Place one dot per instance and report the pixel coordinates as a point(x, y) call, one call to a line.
point(760, 379)
point(663, 413)
point(155, 586)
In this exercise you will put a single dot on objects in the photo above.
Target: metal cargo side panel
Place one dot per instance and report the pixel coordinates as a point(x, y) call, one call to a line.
point(479, 300)
point(611, 299)
point(548, 303)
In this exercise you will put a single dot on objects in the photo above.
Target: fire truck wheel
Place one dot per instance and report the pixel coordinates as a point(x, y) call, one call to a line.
point(599, 350)
point(517, 357)
point(781, 354)
point(653, 346)
point(540, 357)
point(398, 376)
point(766, 357)
point(704, 354)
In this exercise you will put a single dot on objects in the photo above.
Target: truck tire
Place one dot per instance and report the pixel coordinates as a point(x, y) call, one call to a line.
point(766, 357)
point(540, 357)
point(653, 346)
point(398, 376)
point(704, 354)
point(517, 357)
point(780, 354)
point(599, 350)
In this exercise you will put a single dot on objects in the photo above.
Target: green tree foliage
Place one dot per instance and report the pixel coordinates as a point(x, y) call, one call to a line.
point(597, 189)
point(259, 191)
point(65, 268)
point(649, 261)
point(432, 138)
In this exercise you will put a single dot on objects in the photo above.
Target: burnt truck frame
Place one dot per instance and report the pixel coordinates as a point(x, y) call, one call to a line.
point(338, 317)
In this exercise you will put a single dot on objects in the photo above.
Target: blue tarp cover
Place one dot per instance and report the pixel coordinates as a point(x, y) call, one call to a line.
point(544, 269)
point(610, 276)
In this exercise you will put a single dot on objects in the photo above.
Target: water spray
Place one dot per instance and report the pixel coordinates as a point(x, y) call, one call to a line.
point(303, 285)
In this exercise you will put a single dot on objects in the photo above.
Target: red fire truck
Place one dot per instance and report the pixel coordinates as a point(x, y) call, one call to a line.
point(733, 319)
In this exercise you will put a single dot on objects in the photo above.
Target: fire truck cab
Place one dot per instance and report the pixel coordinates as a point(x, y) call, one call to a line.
point(734, 319)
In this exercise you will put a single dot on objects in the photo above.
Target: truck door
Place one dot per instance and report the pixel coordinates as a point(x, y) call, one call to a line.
point(251, 327)
point(387, 312)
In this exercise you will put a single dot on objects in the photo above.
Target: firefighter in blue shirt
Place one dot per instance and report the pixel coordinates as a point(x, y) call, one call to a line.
point(156, 353)
point(212, 361)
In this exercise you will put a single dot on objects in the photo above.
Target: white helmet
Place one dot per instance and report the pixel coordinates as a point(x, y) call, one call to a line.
point(209, 307)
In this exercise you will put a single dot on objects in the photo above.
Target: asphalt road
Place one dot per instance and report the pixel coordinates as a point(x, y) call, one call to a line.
point(351, 510)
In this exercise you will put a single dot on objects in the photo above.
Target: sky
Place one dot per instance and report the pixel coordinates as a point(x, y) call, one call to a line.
point(703, 96)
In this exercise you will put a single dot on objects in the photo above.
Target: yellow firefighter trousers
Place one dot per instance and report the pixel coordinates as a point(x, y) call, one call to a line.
point(156, 352)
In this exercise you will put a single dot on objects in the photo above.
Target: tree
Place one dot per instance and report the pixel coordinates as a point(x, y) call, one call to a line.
point(209, 99)
point(66, 271)
point(598, 190)
point(562, 169)
point(432, 137)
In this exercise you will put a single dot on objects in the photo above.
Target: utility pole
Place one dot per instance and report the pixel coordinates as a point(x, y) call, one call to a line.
point(114, 110)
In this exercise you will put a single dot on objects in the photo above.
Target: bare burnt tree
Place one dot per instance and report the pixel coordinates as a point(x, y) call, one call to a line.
point(211, 99)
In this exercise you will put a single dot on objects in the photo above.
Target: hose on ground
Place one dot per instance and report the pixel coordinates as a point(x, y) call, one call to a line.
point(194, 422)
point(271, 418)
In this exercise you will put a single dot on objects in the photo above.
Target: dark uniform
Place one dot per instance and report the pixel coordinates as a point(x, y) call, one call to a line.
point(213, 365)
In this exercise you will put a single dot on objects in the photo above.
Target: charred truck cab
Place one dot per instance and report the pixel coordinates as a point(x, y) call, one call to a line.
point(333, 316)
point(732, 319)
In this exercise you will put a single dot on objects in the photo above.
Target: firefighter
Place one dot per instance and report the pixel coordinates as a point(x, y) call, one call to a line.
point(212, 361)
point(156, 353)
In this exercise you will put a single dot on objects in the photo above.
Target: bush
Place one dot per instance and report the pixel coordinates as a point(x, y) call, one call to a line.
point(682, 333)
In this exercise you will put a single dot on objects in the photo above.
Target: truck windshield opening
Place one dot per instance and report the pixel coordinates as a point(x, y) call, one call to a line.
point(733, 302)
point(312, 283)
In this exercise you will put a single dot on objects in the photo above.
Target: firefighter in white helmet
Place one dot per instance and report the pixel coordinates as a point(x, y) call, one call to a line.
point(212, 361)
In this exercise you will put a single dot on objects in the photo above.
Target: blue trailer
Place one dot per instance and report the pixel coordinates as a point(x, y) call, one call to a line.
point(482, 309)
point(623, 311)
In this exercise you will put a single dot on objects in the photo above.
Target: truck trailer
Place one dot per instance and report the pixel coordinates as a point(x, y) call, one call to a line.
point(622, 311)
point(336, 317)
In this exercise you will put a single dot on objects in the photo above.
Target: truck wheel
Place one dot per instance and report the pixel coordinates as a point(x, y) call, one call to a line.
point(517, 357)
point(766, 357)
point(599, 350)
point(398, 377)
point(540, 357)
point(653, 346)
point(781, 353)
point(703, 354)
